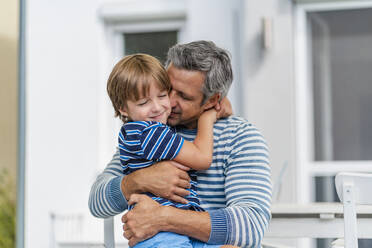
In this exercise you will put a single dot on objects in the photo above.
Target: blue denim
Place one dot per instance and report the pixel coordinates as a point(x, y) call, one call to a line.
point(169, 239)
point(198, 244)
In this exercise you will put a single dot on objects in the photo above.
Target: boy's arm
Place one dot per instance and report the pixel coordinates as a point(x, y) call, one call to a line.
point(198, 154)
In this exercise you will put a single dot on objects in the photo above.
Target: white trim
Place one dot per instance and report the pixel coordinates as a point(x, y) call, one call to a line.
point(329, 6)
point(140, 10)
point(302, 131)
point(331, 168)
point(161, 25)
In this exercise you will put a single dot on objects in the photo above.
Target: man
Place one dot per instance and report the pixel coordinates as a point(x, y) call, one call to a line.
point(235, 190)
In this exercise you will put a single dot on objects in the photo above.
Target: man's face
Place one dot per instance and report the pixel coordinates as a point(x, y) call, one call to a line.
point(186, 97)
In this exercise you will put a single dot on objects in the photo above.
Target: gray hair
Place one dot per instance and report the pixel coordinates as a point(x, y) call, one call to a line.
point(206, 57)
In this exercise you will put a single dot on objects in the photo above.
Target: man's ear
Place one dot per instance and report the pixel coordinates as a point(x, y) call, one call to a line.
point(212, 101)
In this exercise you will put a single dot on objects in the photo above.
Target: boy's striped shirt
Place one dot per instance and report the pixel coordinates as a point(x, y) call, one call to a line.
point(142, 143)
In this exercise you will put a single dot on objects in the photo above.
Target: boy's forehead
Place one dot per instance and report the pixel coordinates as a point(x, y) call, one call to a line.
point(143, 88)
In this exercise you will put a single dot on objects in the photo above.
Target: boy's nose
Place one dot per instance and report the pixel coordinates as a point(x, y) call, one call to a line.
point(156, 106)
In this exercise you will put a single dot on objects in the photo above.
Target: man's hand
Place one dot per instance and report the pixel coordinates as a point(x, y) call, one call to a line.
point(164, 179)
point(142, 222)
point(223, 108)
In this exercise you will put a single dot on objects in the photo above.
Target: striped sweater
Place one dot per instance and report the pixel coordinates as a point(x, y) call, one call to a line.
point(235, 190)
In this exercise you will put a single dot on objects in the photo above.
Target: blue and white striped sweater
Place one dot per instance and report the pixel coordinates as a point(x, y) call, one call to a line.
point(235, 190)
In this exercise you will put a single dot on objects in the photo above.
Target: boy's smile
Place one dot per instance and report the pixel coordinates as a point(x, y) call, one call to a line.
point(155, 106)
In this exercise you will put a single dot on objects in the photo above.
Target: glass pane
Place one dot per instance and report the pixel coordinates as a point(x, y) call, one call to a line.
point(326, 243)
point(325, 189)
point(341, 49)
point(154, 43)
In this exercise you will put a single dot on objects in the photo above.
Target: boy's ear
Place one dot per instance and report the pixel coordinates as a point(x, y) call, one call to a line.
point(212, 101)
point(123, 112)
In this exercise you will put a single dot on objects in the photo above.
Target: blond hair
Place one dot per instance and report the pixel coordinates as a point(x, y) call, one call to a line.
point(131, 77)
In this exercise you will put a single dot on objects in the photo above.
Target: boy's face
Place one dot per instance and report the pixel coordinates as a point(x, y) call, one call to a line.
point(155, 106)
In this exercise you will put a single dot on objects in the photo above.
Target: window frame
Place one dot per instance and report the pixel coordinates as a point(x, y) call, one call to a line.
point(115, 20)
point(307, 168)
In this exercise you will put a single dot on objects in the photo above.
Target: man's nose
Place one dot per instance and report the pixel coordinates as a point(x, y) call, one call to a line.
point(172, 98)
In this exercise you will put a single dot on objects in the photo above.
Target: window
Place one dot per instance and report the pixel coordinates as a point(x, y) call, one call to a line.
point(154, 43)
point(341, 52)
point(333, 49)
point(333, 90)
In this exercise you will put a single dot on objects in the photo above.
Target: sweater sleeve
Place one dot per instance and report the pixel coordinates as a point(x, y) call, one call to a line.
point(248, 192)
point(106, 198)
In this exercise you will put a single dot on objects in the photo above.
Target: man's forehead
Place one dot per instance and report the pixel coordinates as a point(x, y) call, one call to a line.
point(188, 88)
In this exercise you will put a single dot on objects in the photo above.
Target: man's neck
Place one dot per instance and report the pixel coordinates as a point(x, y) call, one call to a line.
point(190, 127)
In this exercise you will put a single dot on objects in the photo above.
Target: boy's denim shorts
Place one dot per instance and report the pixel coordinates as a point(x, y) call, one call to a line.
point(169, 239)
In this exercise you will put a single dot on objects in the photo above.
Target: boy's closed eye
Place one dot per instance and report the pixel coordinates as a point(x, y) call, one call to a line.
point(163, 93)
point(142, 102)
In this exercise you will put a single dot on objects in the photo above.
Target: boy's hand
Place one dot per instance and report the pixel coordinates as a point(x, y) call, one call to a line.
point(210, 115)
point(223, 108)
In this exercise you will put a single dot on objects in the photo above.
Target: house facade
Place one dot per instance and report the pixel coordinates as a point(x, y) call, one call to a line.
point(286, 83)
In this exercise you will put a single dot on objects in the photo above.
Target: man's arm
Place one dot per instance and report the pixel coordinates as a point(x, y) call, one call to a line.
point(248, 192)
point(147, 218)
point(106, 198)
point(109, 192)
point(166, 179)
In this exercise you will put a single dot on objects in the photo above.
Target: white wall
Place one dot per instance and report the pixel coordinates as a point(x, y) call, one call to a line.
point(268, 84)
point(62, 67)
point(222, 22)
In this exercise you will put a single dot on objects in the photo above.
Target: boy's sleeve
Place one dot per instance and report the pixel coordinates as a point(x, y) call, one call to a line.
point(125, 148)
point(160, 142)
